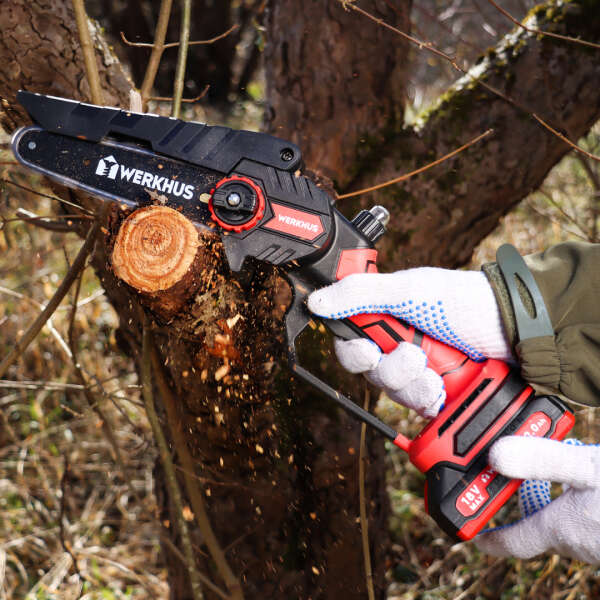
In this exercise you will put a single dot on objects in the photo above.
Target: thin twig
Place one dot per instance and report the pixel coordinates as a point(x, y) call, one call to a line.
point(42, 195)
point(431, 48)
point(184, 38)
point(562, 211)
point(565, 139)
point(207, 582)
point(364, 519)
point(91, 397)
point(157, 49)
point(53, 386)
point(191, 483)
point(43, 222)
point(65, 286)
point(167, 462)
point(189, 100)
point(595, 208)
point(61, 516)
point(420, 169)
point(558, 36)
point(89, 55)
point(175, 44)
point(49, 324)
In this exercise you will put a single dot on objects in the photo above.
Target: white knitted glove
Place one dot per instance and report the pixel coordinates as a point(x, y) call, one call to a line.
point(455, 307)
point(569, 525)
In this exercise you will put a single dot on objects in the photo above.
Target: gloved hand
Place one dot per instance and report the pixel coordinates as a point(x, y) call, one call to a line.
point(568, 525)
point(455, 307)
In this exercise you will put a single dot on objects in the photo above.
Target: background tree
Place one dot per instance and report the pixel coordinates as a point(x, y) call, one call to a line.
point(278, 469)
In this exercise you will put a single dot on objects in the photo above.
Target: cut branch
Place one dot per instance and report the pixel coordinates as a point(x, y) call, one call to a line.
point(155, 248)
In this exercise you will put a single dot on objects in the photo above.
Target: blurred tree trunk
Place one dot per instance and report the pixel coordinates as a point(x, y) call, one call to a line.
point(278, 465)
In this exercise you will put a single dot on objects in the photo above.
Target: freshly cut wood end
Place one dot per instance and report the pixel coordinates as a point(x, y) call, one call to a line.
point(154, 249)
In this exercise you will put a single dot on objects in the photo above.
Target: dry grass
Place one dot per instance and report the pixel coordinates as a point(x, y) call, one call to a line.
point(70, 525)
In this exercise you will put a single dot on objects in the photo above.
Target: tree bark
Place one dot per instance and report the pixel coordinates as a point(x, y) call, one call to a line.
point(278, 464)
point(456, 204)
point(335, 81)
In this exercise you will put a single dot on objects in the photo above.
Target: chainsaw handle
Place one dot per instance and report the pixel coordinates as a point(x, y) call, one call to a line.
point(455, 368)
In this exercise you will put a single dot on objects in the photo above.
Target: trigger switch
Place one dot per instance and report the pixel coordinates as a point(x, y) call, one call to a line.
point(237, 203)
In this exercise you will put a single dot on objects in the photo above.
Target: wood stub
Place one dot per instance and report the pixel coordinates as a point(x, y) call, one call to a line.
point(154, 248)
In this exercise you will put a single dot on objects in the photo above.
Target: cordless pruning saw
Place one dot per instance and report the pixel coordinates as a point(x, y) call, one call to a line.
point(248, 187)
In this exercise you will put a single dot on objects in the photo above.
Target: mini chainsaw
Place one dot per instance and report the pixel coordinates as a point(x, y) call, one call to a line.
point(248, 186)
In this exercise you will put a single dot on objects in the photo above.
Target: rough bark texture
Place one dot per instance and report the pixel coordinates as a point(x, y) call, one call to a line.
point(438, 217)
point(334, 80)
point(280, 473)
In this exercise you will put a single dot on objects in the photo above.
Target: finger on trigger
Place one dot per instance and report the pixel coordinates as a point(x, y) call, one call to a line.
point(403, 364)
point(425, 394)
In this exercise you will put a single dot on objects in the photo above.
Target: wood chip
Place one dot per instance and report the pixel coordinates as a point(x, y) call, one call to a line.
point(231, 323)
point(221, 372)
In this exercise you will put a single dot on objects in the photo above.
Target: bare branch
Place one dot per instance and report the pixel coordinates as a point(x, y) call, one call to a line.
point(176, 44)
point(565, 38)
point(347, 4)
point(157, 49)
point(87, 48)
point(167, 462)
point(191, 483)
point(41, 194)
point(420, 170)
point(58, 226)
point(186, 11)
point(364, 519)
point(90, 396)
point(210, 41)
point(565, 139)
point(190, 100)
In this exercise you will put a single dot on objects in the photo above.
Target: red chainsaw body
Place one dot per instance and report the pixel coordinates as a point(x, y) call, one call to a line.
point(484, 400)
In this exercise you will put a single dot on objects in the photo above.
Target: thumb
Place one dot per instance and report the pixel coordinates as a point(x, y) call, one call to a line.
point(542, 458)
point(523, 539)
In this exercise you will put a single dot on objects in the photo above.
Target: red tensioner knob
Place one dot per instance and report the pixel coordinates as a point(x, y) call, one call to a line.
point(237, 203)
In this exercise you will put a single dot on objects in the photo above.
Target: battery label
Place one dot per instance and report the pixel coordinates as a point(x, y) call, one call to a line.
point(476, 494)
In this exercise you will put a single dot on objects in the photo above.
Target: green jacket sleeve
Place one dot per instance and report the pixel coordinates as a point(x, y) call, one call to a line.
point(568, 276)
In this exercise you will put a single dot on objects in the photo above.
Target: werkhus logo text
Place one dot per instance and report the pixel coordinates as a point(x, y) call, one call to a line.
point(109, 167)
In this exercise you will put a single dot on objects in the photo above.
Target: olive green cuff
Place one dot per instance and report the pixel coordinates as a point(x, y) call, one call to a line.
point(496, 280)
point(540, 361)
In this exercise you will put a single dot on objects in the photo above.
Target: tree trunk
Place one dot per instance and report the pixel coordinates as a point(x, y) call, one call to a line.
point(278, 465)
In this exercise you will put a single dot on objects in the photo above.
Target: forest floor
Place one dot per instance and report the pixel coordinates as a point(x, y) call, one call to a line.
point(70, 513)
